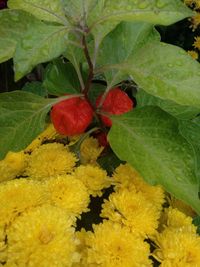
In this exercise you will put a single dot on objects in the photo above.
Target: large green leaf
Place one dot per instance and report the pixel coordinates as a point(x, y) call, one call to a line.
point(11, 30)
point(108, 13)
point(179, 111)
point(22, 118)
point(41, 43)
point(191, 132)
point(149, 139)
point(43, 9)
point(165, 71)
point(121, 43)
point(168, 72)
point(61, 78)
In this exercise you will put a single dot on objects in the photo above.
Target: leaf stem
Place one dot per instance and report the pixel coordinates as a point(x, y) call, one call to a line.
point(78, 73)
point(91, 68)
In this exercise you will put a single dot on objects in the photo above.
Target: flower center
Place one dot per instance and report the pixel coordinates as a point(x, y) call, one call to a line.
point(45, 236)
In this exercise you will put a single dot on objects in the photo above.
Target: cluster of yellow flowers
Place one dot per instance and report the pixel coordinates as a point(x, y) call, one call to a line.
point(195, 22)
point(45, 189)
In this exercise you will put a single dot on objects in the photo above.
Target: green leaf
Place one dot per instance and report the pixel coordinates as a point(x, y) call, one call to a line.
point(43, 9)
point(179, 111)
point(78, 10)
point(40, 43)
point(61, 78)
point(149, 139)
point(118, 46)
point(35, 88)
point(11, 30)
point(76, 55)
point(168, 72)
point(190, 130)
point(22, 118)
point(165, 71)
point(108, 13)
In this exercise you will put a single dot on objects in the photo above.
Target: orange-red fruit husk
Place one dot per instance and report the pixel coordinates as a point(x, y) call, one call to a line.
point(71, 116)
point(116, 102)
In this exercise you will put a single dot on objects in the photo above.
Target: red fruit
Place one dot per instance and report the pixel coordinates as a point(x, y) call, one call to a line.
point(71, 116)
point(116, 102)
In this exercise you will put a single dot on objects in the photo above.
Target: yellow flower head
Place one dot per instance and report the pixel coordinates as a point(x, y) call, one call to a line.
point(190, 3)
point(17, 196)
point(12, 165)
point(195, 21)
point(182, 206)
point(132, 210)
point(82, 237)
point(69, 193)
point(196, 43)
point(193, 54)
point(3, 245)
point(177, 248)
point(126, 176)
point(90, 150)
point(113, 245)
point(177, 220)
point(94, 178)
point(50, 160)
point(42, 237)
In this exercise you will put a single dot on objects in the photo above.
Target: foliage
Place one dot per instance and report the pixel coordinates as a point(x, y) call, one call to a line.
point(111, 41)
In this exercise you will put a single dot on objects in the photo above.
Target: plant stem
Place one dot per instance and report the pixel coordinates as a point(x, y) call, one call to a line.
point(78, 73)
point(91, 68)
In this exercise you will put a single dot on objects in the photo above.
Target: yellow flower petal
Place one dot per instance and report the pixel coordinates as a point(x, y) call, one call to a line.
point(42, 237)
point(69, 193)
point(50, 160)
point(12, 165)
point(94, 178)
point(113, 245)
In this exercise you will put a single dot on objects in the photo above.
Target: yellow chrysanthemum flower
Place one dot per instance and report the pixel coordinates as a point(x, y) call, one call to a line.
point(94, 178)
point(177, 248)
point(48, 134)
point(12, 165)
point(82, 237)
point(42, 237)
point(113, 245)
point(190, 3)
point(193, 54)
point(3, 245)
point(178, 220)
point(90, 150)
point(69, 193)
point(173, 218)
point(50, 160)
point(133, 210)
point(126, 176)
point(195, 21)
point(196, 43)
point(17, 196)
point(183, 207)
